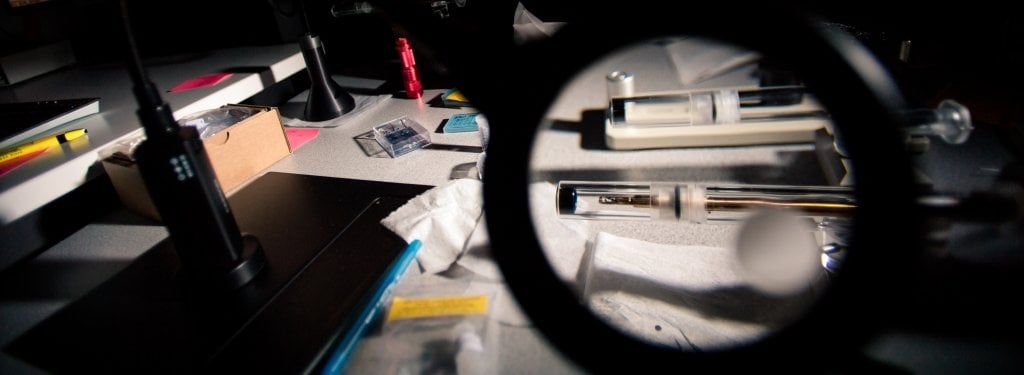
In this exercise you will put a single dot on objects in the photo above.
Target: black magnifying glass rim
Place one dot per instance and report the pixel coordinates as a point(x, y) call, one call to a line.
point(845, 77)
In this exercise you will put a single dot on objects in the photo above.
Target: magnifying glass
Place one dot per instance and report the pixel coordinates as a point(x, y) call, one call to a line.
point(548, 111)
point(577, 220)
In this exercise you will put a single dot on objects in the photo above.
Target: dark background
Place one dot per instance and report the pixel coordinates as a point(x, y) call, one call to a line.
point(968, 52)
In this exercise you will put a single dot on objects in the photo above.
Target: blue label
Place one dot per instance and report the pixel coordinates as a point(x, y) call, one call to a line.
point(461, 123)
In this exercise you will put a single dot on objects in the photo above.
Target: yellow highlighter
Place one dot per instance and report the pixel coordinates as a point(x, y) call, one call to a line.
point(41, 144)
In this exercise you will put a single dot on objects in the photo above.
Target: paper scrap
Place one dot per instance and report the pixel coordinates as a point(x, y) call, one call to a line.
point(297, 137)
point(454, 98)
point(201, 81)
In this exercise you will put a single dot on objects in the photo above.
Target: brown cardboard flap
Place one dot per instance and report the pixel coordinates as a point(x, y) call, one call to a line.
point(243, 150)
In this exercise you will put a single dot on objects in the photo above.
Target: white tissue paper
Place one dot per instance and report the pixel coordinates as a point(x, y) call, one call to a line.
point(527, 27)
point(685, 297)
point(442, 218)
point(476, 256)
point(449, 221)
point(697, 59)
point(564, 241)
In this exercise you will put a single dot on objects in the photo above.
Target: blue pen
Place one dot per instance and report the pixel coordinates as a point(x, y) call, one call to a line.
point(377, 302)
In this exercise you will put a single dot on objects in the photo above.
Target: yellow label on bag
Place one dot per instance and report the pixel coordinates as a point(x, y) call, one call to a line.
point(408, 308)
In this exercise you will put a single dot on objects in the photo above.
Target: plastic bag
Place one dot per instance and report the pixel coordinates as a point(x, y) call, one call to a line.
point(209, 122)
point(441, 327)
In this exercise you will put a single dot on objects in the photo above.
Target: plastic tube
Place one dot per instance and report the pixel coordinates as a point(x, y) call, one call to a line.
point(721, 106)
point(950, 121)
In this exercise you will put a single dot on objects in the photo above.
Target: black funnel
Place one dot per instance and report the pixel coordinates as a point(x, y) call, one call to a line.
point(326, 99)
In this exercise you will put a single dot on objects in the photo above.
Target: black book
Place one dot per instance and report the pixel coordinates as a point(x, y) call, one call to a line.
point(22, 122)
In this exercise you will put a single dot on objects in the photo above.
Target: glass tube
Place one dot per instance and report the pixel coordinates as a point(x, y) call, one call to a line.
point(695, 203)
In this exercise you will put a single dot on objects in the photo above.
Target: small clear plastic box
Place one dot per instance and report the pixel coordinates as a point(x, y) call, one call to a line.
point(401, 136)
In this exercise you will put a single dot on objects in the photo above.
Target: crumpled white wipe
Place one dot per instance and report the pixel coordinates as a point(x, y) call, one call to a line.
point(442, 218)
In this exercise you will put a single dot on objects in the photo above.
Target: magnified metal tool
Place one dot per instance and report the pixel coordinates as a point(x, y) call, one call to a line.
point(731, 203)
point(950, 121)
point(695, 203)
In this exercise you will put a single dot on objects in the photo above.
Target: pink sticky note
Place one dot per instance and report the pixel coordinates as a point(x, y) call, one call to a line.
point(201, 81)
point(299, 136)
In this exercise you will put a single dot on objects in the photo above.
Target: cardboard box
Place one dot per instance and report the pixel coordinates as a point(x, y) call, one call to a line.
point(237, 154)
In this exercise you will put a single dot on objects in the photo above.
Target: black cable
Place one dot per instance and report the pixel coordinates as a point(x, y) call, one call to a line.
point(153, 111)
point(136, 68)
point(305, 16)
point(276, 4)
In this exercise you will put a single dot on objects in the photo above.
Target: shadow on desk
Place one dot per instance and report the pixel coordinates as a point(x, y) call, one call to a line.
point(57, 280)
point(37, 231)
point(281, 93)
point(590, 127)
point(325, 248)
point(746, 174)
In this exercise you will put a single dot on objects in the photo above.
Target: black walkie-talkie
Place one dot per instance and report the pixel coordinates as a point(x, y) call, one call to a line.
point(214, 254)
